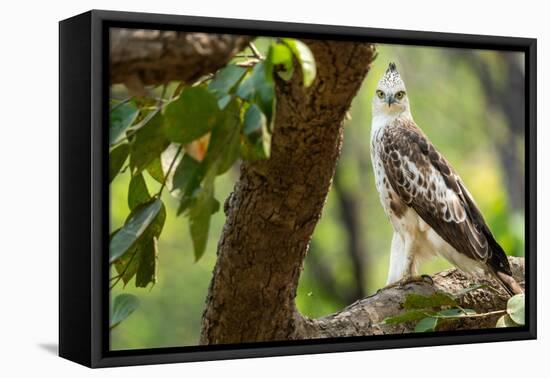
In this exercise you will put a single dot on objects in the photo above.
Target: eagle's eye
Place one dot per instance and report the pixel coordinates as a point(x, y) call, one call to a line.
point(379, 93)
point(399, 95)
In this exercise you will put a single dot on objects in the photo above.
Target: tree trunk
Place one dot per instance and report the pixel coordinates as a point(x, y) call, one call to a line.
point(277, 202)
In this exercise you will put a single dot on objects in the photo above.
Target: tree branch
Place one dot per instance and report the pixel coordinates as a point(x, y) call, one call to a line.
point(363, 317)
point(153, 57)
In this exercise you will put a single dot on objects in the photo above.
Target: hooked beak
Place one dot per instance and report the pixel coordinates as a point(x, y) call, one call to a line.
point(390, 100)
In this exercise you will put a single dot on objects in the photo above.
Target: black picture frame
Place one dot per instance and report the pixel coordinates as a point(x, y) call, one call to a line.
point(84, 193)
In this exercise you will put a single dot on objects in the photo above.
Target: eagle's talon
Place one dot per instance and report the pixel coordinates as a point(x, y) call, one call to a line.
point(427, 278)
point(410, 279)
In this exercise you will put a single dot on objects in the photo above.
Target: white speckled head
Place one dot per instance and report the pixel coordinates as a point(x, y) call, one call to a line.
point(390, 98)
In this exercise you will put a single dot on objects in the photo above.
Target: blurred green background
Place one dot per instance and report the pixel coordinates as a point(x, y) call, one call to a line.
point(471, 105)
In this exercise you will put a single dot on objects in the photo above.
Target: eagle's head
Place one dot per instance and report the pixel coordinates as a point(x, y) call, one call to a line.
point(390, 97)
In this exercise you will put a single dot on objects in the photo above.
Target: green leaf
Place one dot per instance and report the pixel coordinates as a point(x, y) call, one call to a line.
point(258, 87)
point(113, 103)
point(187, 201)
point(199, 226)
point(516, 308)
point(117, 157)
point(257, 142)
point(224, 145)
point(469, 289)
point(155, 229)
point(148, 144)
point(127, 265)
point(199, 223)
point(121, 117)
point(282, 60)
point(417, 301)
point(254, 123)
point(231, 152)
point(172, 154)
point(224, 100)
point(227, 78)
point(131, 263)
point(186, 174)
point(259, 77)
point(407, 316)
point(155, 170)
point(124, 305)
point(200, 207)
point(426, 325)
point(191, 116)
point(222, 152)
point(305, 58)
point(453, 312)
point(136, 225)
point(456, 312)
point(147, 269)
point(137, 192)
point(506, 321)
point(114, 233)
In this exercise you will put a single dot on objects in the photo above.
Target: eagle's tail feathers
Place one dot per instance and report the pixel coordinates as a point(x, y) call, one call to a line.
point(500, 266)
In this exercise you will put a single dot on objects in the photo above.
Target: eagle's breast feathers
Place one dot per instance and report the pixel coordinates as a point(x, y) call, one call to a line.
point(414, 175)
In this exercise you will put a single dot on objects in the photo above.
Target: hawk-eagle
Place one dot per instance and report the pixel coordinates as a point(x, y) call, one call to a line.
point(431, 211)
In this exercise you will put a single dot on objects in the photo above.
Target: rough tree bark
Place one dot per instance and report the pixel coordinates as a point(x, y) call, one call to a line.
point(153, 57)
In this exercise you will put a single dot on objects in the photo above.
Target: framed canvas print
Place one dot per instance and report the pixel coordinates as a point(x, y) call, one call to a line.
point(234, 188)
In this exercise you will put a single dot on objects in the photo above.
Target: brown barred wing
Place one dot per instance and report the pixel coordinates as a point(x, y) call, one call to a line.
point(426, 182)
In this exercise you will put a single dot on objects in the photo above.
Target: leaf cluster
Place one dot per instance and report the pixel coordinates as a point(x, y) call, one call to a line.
point(184, 140)
point(429, 311)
